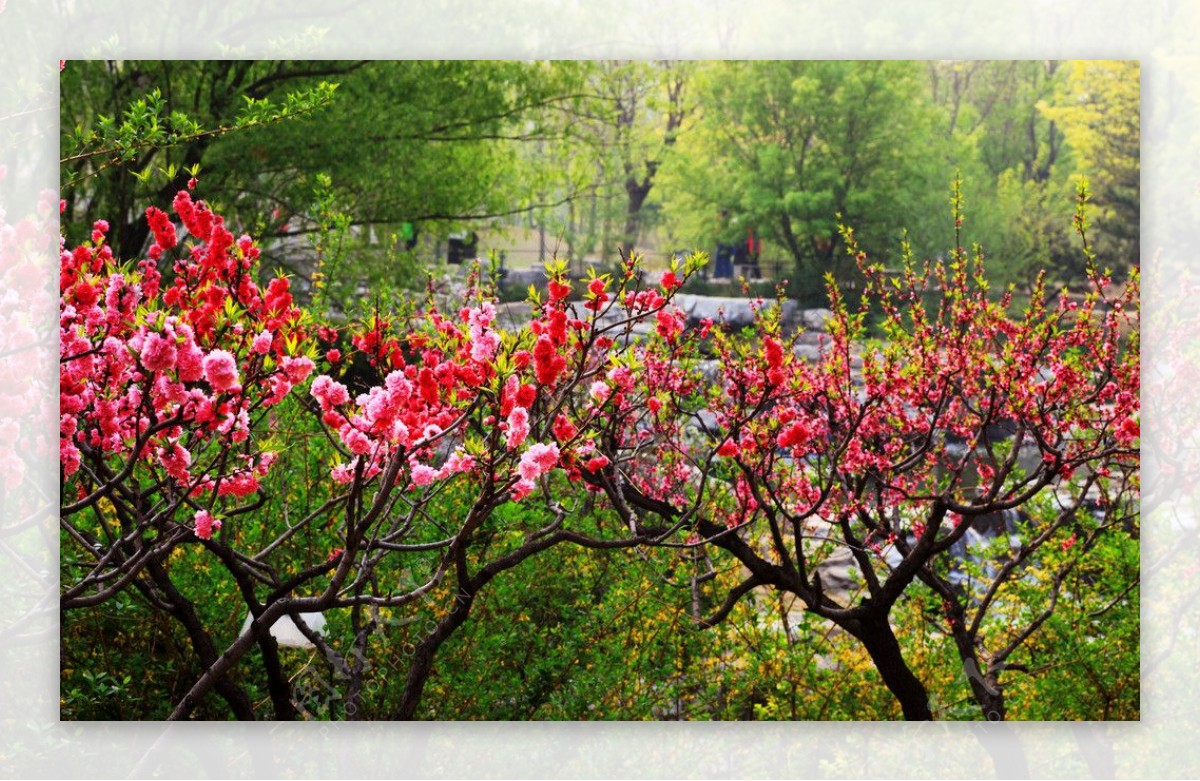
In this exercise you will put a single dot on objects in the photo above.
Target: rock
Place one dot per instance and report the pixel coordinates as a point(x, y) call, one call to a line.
point(737, 312)
point(810, 345)
point(513, 316)
point(637, 330)
point(839, 576)
point(809, 353)
point(287, 633)
point(815, 319)
point(710, 370)
point(522, 278)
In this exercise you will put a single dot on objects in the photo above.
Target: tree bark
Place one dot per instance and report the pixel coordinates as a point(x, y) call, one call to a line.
point(637, 193)
point(422, 660)
point(876, 635)
point(278, 685)
point(202, 644)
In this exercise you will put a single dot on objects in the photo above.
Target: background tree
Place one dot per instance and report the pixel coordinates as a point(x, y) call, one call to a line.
point(1101, 118)
point(613, 141)
point(135, 132)
point(446, 136)
point(785, 147)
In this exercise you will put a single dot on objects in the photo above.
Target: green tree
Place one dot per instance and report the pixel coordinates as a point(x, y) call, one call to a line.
point(1101, 118)
point(431, 144)
point(134, 132)
point(1015, 162)
point(612, 141)
point(786, 147)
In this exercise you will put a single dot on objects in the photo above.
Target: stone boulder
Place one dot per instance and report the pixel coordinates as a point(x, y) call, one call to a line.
point(512, 316)
point(522, 278)
point(810, 345)
point(815, 319)
point(736, 312)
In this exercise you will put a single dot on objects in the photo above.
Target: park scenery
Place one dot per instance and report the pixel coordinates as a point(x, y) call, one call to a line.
point(498, 390)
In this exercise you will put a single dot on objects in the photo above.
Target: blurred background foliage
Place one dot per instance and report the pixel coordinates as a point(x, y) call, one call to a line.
point(600, 156)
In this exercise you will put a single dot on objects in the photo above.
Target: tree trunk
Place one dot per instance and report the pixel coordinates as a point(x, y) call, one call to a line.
point(985, 686)
point(876, 635)
point(422, 659)
point(182, 610)
point(278, 685)
point(637, 193)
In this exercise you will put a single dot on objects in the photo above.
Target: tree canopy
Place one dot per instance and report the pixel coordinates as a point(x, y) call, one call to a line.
point(612, 155)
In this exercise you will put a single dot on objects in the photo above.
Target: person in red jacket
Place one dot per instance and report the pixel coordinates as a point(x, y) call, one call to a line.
point(753, 248)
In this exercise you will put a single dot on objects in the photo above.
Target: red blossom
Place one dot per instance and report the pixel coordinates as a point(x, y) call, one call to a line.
point(558, 291)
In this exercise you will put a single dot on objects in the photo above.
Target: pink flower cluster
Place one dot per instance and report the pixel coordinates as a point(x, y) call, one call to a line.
point(484, 340)
point(518, 427)
point(164, 377)
point(539, 459)
point(407, 411)
point(205, 524)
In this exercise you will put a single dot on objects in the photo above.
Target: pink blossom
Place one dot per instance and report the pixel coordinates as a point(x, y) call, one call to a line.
point(237, 422)
point(189, 360)
point(522, 489)
point(483, 316)
point(458, 462)
point(794, 435)
point(669, 325)
point(622, 376)
point(564, 430)
point(599, 391)
point(354, 439)
point(538, 460)
point(1128, 430)
point(239, 484)
point(262, 342)
point(206, 524)
point(280, 387)
point(176, 460)
point(484, 346)
point(158, 353)
point(297, 368)
point(329, 392)
point(69, 456)
point(99, 228)
point(518, 427)
point(265, 461)
point(559, 290)
point(398, 384)
point(423, 475)
point(220, 369)
point(164, 230)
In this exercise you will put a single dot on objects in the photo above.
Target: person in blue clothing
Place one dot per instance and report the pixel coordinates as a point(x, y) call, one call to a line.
point(727, 251)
